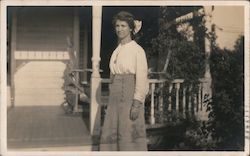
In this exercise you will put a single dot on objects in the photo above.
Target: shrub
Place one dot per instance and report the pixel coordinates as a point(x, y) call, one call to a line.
point(227, 116)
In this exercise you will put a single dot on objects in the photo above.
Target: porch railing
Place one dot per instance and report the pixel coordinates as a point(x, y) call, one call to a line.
point(170, 101)
point(174, 100)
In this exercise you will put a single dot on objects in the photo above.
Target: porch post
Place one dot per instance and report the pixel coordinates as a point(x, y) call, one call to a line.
point(12, 56)
point(95, 113)
point(85, 51)
point(208, 15)
point(76, 51)
point(206, 82)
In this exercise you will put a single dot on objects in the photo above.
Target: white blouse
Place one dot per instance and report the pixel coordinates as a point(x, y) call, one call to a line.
point(130, 58)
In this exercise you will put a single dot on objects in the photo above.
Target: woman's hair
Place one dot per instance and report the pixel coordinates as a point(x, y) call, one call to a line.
point(127, 17)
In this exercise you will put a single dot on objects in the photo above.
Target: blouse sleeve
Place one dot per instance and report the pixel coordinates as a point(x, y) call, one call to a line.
point(141, 85)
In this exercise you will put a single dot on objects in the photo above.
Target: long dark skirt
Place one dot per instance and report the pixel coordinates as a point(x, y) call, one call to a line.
point(119, 133)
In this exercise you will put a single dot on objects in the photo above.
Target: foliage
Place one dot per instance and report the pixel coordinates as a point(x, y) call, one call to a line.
point(187, 59)
point(197, 137)
point(227, 116)
point(225, 128)
point(187, 62)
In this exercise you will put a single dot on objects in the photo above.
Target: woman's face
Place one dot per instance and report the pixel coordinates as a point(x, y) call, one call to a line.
point(122, 29)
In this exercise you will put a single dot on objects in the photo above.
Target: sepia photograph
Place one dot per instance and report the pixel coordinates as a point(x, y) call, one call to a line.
point(49, 49)
point(103, 76)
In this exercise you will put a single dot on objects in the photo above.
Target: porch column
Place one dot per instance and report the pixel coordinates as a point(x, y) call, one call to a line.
point(206, 81)
point(76, 51)
point(95, 113)
point(12, 56)
point(208, 16)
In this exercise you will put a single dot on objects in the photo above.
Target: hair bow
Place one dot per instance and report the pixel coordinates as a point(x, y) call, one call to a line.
point(138, 25)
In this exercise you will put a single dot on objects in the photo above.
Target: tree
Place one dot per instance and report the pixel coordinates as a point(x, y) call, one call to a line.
point(227, 116)
point(187, 59)
point(225, 128)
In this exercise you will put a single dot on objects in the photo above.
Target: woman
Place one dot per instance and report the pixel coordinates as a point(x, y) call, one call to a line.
point(124, 124)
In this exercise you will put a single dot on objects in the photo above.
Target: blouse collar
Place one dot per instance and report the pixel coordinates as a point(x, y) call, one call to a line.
point(126, 44)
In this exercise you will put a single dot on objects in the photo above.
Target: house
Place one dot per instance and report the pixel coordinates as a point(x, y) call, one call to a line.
point(40, 38)
point(42, 43)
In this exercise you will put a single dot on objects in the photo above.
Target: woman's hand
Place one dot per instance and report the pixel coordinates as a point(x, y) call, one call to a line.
point(135, 109)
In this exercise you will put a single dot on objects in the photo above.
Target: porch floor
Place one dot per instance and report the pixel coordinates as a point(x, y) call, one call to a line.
point(47, 128)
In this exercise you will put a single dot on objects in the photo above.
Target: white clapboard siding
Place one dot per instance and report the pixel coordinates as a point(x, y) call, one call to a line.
point(44, 75)
point(44, 29)
point(40, 83)
point(40, 91)
point(42, 41)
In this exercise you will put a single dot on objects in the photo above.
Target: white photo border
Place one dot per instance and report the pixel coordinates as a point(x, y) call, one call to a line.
point(3, 16)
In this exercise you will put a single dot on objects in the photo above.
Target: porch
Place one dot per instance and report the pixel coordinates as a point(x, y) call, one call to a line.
point(40, 41)
point(50, 128)
point(47, 128)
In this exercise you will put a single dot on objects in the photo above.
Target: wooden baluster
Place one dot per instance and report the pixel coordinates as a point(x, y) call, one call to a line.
point(177, 96)
point(20, 55)
point(152, 117)
point(75, 109)
point(201, 106)
point(190, 101)
point(195, 104)
point(170, 98)
point(161, 85)
point(184, 102)
point(28, 55)
point(170, 114)
point(177, 88)
point(63, 55)
point(199, 98)
point(160, 100)
point(49, 55)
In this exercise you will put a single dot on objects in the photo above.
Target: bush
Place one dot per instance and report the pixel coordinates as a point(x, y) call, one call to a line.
point(226, 120)
point(225, 128)
point(197, 137)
